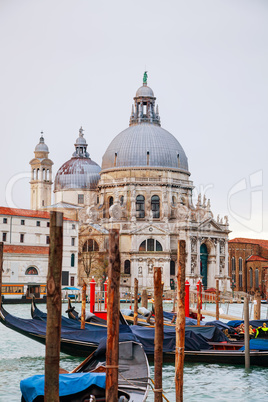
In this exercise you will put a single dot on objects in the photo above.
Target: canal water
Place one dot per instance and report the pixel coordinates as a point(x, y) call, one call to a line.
point(22, 357)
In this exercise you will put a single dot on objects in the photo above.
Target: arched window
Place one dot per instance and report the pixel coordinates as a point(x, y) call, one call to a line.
point(173, 200)
point(150, 245)
point(250, 278)
point(111, 201)
point(233, 271)
point(240, 273)
point(127, 267)
point(72, 260)
point(121, 200)
point(155, 205)
point(90, 245)
point(31, 271)
point(172, 267)
point(256, 278)
point(140, 206)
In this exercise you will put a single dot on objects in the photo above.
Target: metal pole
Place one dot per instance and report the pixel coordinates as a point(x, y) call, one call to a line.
point(53, 332)
point(246, 334)
point(217, 300)
point(199, 303)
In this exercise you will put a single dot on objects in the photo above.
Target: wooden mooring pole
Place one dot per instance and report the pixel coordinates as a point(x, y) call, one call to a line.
point(257, 305)
point(217, 300)
point(53, 332)
point(144, 299)
point(83, 305)
point(246, 333)
point(136, 287)
point(180, 322)
point(159, 335)
point(174, 301)
point(1, 269)
point(112, 350)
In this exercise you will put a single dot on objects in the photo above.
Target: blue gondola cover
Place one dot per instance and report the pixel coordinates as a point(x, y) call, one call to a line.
point(69, 384)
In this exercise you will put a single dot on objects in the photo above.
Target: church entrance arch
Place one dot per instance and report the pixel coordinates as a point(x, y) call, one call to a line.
point(204, 264)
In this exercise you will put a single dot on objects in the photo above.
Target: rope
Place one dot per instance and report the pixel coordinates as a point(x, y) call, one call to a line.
point(129, 382)
point(158, 390)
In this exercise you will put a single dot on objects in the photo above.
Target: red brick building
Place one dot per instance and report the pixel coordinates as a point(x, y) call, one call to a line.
point(248, 265)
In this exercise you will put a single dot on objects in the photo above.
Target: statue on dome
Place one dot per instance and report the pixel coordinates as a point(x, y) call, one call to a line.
point(145, 76)
point(81, 131)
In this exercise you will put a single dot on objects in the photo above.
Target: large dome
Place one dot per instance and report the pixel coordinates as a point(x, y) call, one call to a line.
point(77, 173)
point(144, 145)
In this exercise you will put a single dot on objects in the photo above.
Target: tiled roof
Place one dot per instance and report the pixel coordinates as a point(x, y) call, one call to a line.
point(256, 258)
point(10, 249)
point(260, 242)
point(31, 213)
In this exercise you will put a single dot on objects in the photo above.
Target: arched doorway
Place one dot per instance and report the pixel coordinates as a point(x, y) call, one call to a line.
point(204, 264)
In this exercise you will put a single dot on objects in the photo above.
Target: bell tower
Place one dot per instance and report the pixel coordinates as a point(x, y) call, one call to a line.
point(41, 179)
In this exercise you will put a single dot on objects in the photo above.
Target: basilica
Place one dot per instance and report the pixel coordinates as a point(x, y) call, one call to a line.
point(143, 188)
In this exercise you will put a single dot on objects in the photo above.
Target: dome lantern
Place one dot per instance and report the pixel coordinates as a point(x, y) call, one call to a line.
point(144, 106)
point(81, 146)
point(41, 149)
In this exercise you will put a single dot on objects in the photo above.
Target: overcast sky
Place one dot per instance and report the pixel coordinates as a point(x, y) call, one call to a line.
point(68, 63)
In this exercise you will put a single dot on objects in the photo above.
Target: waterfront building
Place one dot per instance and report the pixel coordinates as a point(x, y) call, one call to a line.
point(248, 265)
point(143, 188)
point(25, 234)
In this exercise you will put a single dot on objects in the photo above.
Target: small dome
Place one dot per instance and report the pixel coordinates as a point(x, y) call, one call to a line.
point(145, 91)
point(41, 147)
point(80, 141)
point(77, 173)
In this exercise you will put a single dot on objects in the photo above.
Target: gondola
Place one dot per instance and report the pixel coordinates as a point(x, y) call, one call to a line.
point(125, 316)
point(74, 315)
point(88, 379)
point(219, 351)
point(77, 342)
point(74, 340)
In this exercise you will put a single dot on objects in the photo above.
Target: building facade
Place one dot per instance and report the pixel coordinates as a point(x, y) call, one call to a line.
point(25, 234)
point(143, 188)
point(248, 265)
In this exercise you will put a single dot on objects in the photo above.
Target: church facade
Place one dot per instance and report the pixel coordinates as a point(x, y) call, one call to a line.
point(143, 188)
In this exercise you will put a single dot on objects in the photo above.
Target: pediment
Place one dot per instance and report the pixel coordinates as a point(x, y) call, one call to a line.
point(150, 229)
point(92, 229)
point(210, 225)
